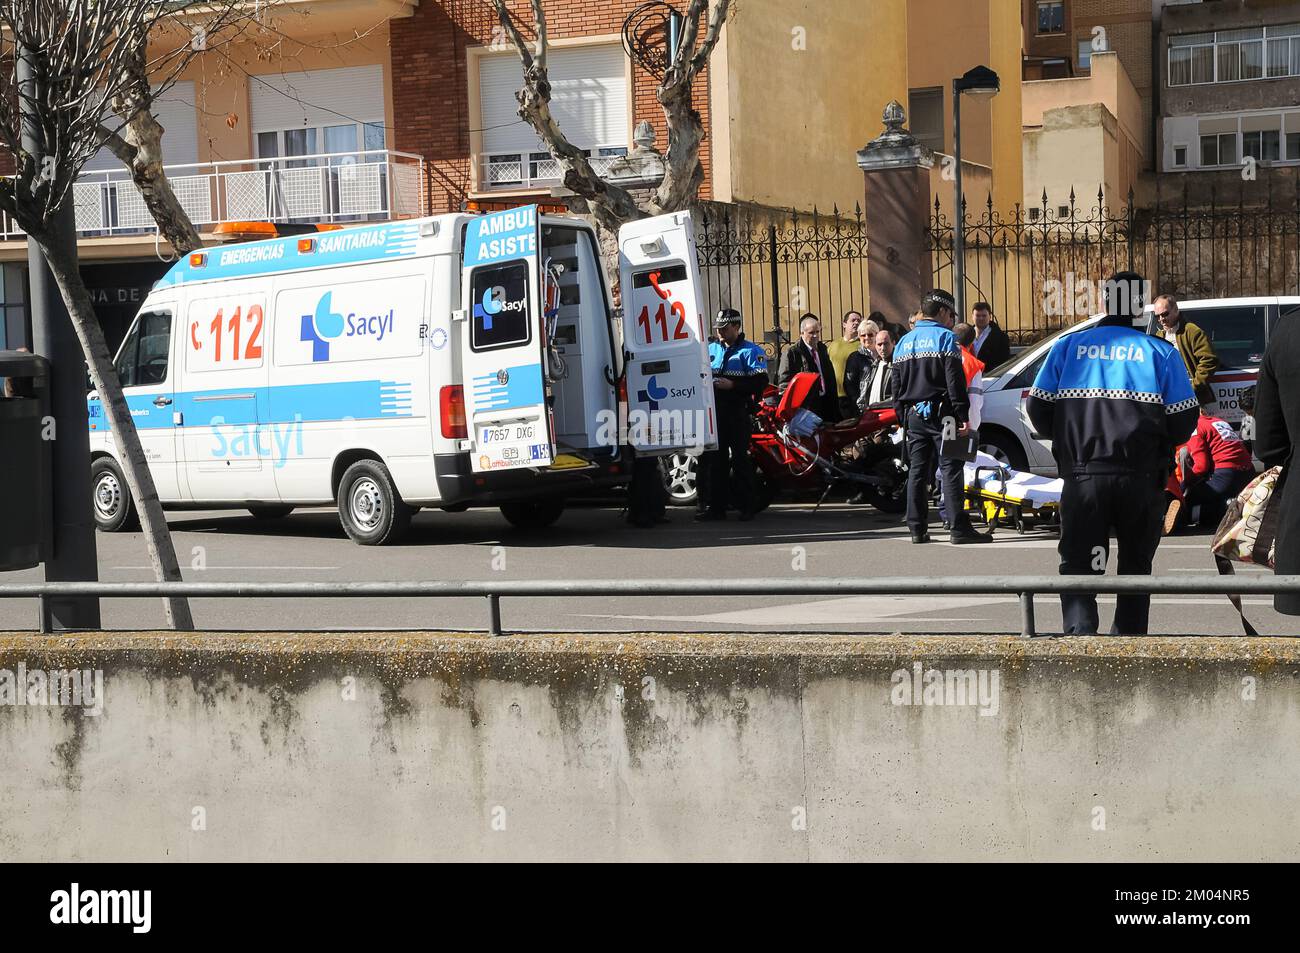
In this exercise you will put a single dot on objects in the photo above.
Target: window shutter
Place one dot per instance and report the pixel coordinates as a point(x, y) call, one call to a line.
point(294, 100)
point(589, 98)
point(175, 112)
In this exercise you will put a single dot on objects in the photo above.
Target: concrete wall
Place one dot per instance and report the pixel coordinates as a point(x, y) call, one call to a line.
point(653, 747)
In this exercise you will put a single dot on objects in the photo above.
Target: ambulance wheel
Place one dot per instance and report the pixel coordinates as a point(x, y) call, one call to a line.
point(370, 508)
point(111, 499)
point(532, 514)
point(270, 512)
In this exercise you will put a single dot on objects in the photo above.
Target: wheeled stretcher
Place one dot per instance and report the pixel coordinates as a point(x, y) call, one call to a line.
point(1009, 497)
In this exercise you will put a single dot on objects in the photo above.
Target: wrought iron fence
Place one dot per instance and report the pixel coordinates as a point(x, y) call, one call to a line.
point(1041, 268)
point(775, 265)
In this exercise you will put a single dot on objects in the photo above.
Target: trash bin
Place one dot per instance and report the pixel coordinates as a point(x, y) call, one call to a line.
point(26, 527)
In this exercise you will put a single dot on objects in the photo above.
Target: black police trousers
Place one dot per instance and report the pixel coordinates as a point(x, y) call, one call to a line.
point(729, 469)
point(923, 440)
point(1092, 505)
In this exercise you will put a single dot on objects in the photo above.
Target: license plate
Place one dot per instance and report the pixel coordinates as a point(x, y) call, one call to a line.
point(507, 446)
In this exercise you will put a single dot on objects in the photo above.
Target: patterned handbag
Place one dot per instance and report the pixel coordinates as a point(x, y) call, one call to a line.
point(1248, 531)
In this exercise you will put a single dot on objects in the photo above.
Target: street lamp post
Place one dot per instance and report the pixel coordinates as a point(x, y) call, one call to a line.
point(980, 81)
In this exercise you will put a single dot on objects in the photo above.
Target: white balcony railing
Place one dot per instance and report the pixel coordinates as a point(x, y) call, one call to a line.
point(524, 170)
point(338, 187)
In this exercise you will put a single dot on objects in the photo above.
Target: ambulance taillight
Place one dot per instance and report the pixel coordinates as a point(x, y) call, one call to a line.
point(451, 402)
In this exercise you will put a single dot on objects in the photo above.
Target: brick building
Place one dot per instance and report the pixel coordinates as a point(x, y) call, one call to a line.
point(1060, 36)
point(453, 80)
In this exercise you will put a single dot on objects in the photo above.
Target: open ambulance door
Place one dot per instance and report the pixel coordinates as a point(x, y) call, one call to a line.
point(508, 422)
point(669, 383)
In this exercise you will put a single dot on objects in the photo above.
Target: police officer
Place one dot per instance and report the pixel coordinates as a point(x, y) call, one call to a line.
point(739, 377)
point(1116, 403)
point(931, 400)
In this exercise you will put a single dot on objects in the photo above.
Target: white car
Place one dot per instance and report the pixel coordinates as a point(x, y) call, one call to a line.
point(1238, 328)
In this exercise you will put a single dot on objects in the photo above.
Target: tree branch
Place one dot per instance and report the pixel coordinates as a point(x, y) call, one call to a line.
point(610, 204)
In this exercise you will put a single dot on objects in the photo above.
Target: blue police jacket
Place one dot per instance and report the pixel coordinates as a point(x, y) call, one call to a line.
point(1114, 400)
point(928, 373)
point(745, 364)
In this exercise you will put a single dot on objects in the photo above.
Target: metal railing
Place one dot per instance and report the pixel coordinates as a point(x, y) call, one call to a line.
point(1023, 587)
point(520, 170)
point(327, 187)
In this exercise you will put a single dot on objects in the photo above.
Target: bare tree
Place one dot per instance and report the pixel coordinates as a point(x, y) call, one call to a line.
point(609, 204)
point(81, 58)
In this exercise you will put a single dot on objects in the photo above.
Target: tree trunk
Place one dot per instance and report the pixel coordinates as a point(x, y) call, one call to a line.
point(140, 149)
point(61, 255)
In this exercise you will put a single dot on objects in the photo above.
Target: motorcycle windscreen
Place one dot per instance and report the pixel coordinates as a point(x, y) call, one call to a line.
point(669, 383)
point(502, 352)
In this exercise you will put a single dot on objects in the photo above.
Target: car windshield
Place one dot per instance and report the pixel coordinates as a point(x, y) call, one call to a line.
point(1045, 344)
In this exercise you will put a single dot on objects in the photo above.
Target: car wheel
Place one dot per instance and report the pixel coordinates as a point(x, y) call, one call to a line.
point(270, 512)
point(533, 514)
point(1004, 448)
point(681, 478)
point(370, 508)
point(111, 499)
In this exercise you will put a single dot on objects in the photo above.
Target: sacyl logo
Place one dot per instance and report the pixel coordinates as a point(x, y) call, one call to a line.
point(103, 906)
point(327, 324)
point(493, 303)
point(652, 394)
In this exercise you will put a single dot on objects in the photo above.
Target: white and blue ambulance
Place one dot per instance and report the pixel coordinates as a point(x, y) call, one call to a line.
point(453, 361)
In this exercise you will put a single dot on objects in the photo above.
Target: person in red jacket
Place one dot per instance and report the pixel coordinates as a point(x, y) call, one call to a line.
point(1216, 467)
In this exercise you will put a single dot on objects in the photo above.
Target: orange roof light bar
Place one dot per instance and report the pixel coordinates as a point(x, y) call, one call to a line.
point(247, 229)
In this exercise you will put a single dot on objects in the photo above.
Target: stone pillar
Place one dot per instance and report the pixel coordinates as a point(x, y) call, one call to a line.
point(897, 210)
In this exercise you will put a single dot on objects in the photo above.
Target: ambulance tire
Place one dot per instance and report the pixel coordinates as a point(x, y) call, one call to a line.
point(370, 508)
point(111, 500)
point(533, 514)
point(270, 512)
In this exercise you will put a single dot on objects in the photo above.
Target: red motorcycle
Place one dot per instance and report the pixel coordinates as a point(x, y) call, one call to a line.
point(864, 453)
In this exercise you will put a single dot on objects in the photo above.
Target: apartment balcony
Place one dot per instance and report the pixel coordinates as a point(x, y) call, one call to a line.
point(376, 185)
point(536, 170)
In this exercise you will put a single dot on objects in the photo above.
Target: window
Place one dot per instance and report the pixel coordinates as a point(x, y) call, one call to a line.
point(1279, 57)
point(925, 117)
point(1028, 374)
point(142, 360)
point(1085, 54)
point(501, 310)
point(589, 99)
point(1263, 145)
point(1228, 59)
point(1230, 56)
point(1180, 156)
point(1237, 334)
point(1293, 146)
point(1191, 59)
point(1034, 214)
point(1051, 17)
point(1220, 149)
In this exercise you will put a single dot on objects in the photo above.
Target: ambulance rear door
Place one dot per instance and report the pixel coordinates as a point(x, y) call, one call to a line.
point(669, 383)
point(506, 414)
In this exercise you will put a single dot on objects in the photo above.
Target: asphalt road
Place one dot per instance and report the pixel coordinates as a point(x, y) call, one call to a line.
point(593, 542)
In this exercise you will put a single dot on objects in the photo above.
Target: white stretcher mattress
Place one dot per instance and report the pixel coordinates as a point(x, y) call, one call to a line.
point(1020, 487)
